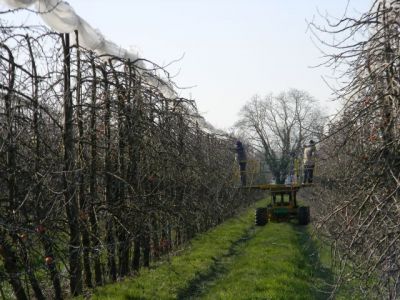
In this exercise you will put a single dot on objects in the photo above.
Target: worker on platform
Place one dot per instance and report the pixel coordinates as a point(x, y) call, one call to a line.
point(309, 162)
point(242, 159)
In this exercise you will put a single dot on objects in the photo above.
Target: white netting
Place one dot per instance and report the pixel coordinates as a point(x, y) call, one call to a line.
point(18, 3)
point(61, 17)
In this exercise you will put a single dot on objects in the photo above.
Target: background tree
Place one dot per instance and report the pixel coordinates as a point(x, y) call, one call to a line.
point(278, 126)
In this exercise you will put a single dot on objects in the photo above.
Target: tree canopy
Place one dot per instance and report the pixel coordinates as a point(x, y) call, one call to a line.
point(279, 125)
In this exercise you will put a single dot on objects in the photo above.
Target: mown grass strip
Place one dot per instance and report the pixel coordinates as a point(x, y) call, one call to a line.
point(200, 283)
point(177, 277)
point(236, 260)
point(278, 262)
point(350, 288)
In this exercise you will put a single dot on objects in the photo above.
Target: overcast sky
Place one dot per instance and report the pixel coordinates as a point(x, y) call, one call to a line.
point(232, 49)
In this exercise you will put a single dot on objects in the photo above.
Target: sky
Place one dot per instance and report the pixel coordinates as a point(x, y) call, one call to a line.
point(226, 50)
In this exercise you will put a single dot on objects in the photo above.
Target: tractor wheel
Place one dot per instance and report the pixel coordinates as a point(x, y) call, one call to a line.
point(304, 215)
point(261, 216)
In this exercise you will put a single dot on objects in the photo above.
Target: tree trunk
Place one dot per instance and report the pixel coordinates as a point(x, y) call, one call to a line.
point(123, 243)
point(93, 181)
point(37, 148)
point(10, 265)
point(109, 183)
point(136, 254)
point(9, 257)
point(70, 198)
point(146, 247)
point(84, 213)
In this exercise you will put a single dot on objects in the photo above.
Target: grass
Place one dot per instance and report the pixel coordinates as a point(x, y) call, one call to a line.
point(169, 280)
point(349, 288)
point(236, 260)
point(278, 262)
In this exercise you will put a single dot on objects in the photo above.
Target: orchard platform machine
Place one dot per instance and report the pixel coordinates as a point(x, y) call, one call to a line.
point(283, 206)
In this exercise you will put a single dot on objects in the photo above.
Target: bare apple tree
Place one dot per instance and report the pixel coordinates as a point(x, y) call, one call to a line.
point(358, 199)
point(100, 172)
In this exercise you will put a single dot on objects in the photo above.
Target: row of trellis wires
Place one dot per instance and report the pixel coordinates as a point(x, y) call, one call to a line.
point(99, 171)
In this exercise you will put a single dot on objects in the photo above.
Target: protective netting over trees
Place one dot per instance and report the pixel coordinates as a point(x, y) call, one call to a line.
point(360, 160)
point(99, 171)
point(62, 18)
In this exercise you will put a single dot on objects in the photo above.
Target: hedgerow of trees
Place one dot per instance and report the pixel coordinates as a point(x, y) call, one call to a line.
point(358, 195)
point(99, 171)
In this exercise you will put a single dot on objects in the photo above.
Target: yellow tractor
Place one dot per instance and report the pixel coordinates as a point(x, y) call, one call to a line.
point(283, 206)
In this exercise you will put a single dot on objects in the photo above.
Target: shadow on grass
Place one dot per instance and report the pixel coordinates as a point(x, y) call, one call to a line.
point(134, 298)
point(323, 278)
point(198, 285)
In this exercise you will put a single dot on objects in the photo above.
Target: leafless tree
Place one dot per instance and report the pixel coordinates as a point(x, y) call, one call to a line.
point(280, 125)
point(359, 194)
point(100, 173)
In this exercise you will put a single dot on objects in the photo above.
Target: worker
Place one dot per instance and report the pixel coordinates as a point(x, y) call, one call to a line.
point(309, 162)
point(241, 156)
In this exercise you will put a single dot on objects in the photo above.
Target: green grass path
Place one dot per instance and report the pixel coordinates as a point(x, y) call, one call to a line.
point(236, 260)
